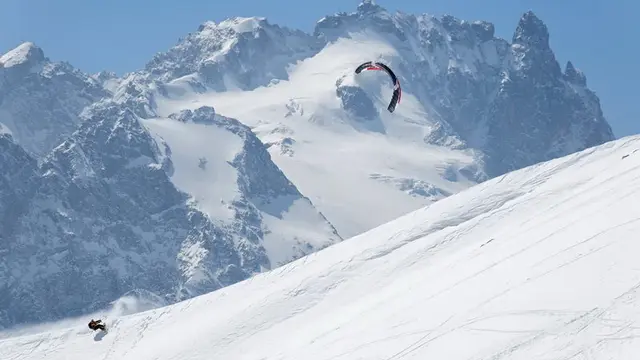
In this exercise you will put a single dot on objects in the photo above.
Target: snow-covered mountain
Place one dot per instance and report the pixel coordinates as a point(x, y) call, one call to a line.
point(540, 263)
point(40, 100)
point(473, 107)
point(184, 206)
point(509, 100)
point(109, 181)
point(238, 53)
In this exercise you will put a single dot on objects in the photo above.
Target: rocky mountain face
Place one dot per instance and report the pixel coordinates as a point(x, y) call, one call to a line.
point(238, 53)
point(507, 103)
point(511, 101)
point(539, 112)
point(40, 100)
point(101, 217)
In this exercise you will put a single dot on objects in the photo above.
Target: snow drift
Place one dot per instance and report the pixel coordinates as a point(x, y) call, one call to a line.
point(540, 263)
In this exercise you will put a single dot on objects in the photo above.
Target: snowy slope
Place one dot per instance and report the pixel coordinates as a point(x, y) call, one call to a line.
point(540, 263)
point(358, 172)
point(226, 171)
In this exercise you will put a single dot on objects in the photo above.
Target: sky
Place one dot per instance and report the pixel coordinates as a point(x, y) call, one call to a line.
point(600, 37)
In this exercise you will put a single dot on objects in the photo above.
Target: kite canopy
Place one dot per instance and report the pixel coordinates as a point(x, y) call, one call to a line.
point(397, 90)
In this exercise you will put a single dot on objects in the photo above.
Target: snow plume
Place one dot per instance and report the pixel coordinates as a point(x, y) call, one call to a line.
point(133, 302)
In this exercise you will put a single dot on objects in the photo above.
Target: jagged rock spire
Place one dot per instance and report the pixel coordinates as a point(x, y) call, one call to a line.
point(531, 31)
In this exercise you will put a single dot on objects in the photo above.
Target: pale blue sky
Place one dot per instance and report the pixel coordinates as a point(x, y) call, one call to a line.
point(600, 37)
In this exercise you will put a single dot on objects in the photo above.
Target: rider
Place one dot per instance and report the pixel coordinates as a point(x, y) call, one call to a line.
point(96, 324)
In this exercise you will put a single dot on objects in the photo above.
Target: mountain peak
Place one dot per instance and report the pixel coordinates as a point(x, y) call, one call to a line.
point(574, 75)
point(367, 15)
point(531, 31)
point(231, 54)
point(369, 6)
point(26, 52)
point(238, 24)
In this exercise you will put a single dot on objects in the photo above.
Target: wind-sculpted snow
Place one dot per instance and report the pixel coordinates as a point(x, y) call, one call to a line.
point(103, 216)
point(540, 263)
point(40, 100)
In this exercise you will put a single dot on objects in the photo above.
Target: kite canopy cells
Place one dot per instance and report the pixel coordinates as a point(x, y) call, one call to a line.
point(397, 91)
